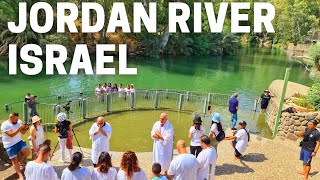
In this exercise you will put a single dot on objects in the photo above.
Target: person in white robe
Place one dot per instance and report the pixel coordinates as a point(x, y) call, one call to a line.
point(39, 169)
point(100, 133)
point(162, 134)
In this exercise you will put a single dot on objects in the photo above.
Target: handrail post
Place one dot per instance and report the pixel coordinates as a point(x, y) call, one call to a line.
point(205, 106)
point(210, 168)
point(54, 113)
point(108, 102)
point(209, 98)
point(156, 100)
point(255, 105)
point(6, 107)
point(180, 102)
point(284, 90)
point(167, 93)
point(58, 109)
point(188, 94)
point(84, 108)
point(146, 96)
point(132, 96)
point(25, 112)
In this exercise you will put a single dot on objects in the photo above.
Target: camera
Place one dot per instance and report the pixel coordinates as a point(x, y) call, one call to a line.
point(67, 106)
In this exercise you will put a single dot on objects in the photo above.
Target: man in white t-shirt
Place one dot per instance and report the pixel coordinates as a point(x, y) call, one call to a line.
point(184, 166)
point(39, 169)
point(12, 141)
point(207, 159)
point(240, 140)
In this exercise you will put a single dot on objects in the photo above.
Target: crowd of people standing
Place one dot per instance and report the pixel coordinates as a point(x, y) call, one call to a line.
point(198, 165)
point(109, 88)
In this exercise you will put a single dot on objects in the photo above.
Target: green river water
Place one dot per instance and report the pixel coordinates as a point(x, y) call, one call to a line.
point(249, 72)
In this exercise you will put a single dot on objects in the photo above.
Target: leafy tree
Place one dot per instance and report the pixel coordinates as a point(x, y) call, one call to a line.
point(314, 95)
point(314, 52)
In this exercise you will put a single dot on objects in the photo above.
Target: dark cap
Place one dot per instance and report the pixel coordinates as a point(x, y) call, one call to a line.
point(267, 91)
point(197, 120)
point(315, 122)
point(243, 123)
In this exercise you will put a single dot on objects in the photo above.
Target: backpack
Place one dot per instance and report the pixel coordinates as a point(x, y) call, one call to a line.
point(220, 136)
point(63, 130)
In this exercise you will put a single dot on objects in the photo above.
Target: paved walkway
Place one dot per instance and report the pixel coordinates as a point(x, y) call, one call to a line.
point(263, 159)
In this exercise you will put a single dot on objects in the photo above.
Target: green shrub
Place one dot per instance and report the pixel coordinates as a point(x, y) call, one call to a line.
point(314, 95)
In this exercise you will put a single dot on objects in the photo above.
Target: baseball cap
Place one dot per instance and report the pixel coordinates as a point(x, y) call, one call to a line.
point(243, 123)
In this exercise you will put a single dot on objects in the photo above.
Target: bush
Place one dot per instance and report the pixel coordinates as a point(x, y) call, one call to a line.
point(314, 95)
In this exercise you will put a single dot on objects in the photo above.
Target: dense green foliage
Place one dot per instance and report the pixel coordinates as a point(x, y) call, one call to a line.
point(314, 52)
point(294, 22)
point(314, 95)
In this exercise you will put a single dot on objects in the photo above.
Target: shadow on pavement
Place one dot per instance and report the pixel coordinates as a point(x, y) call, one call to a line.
point(227, 169)
point(254, 157)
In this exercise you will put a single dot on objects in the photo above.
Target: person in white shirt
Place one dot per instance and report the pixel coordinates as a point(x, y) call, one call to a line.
point(39, 169)
point(162, 135)
point(99, 89)
point(36, 137)
point(207, 160)
point(195, 132)
point(99, 92)
point(132, 90)
point(216, 128)
point(104, 87)
point(127, 90)
point(184, 166)
point(74, 171)
point(104, 168)
point(240, 140)
point(12, 142)
point(100, 133)
point(120, 90)
point(129, 168)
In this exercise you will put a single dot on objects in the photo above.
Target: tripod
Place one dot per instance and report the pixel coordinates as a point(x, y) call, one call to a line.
point(77, 143)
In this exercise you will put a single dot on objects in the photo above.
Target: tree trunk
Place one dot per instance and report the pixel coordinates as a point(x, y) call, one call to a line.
point(165, 38)
point(91, 23)
point(317, 63)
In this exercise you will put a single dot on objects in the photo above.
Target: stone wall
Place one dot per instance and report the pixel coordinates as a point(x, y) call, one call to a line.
point(292, 124)
point(276, 89)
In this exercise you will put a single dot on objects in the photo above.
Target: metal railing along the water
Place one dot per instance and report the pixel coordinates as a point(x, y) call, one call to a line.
point(87, 104)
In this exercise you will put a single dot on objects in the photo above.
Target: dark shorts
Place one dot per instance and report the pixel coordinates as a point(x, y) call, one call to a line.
point(264, 105)
point(195, 150)
point(236, 152)
point(15, 149)
point(306, 157)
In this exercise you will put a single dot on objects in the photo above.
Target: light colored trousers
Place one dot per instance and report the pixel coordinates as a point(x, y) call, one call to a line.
point(63, 144)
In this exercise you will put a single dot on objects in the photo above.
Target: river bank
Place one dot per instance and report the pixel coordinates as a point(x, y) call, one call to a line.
point(263, 159)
